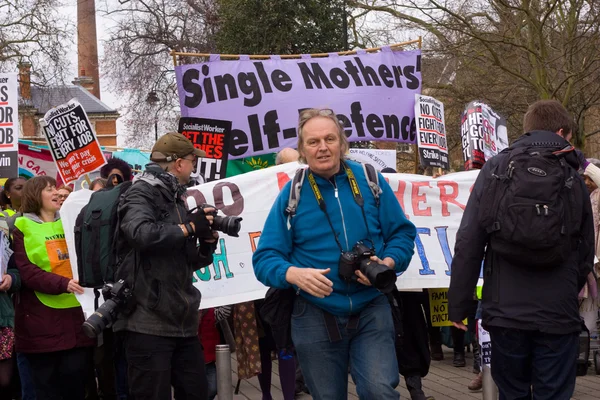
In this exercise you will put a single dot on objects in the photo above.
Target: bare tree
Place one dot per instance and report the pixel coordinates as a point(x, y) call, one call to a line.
point(508, 52)
point(137, 60)
point(33, 31)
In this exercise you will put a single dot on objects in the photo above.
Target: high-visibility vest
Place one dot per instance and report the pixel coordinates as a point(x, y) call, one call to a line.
point(479, 290)
point(46, 247)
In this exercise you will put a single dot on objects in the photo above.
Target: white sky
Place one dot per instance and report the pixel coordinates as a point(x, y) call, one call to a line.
point(102, 26)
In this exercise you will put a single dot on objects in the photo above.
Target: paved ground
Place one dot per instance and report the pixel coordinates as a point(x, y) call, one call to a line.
point(443, 382)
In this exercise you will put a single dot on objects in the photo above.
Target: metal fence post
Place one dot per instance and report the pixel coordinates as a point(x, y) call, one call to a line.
point(490, 390)
point(224, 379)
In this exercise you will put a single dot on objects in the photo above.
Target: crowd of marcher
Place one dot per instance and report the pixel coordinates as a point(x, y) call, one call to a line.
point(333, 308)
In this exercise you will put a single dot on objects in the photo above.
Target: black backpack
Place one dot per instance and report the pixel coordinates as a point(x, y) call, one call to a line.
point(96, 235)
point(531, 207)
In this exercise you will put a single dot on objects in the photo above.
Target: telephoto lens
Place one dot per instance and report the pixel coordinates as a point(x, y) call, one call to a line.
point(117, 299)
point(100, 319)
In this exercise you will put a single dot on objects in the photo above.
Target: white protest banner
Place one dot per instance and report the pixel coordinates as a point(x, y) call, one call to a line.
point(9, 126)
point(431, 132)
point(372, 94)
point(380, 159)
point(72, 141)
point(435, 206)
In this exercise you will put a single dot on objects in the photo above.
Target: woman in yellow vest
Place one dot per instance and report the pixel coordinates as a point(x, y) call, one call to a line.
point(11, 195)
point(48, 316)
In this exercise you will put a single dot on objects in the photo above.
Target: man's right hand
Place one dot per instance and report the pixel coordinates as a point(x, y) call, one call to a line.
point(311, 280)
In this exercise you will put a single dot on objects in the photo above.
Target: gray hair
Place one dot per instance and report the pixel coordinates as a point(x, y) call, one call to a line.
point(310, 113)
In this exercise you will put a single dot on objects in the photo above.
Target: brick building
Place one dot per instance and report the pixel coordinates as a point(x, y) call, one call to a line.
point(34, 102)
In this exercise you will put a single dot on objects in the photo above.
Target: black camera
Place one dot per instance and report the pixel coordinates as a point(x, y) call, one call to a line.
point(228, 225)
point(117, 298)
point(381, 276)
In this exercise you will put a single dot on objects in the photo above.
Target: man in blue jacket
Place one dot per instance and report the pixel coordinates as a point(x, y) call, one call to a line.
point(336, 321)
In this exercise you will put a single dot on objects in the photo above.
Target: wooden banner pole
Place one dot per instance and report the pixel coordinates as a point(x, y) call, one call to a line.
point(174, 54)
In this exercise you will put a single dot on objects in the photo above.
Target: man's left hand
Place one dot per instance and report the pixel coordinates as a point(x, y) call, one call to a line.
point(215, 235)
point(386, 261)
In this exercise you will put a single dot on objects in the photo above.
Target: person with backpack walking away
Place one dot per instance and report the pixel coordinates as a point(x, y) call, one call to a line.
point(324, 235)
point(48, 316)
point(160, 245)
point(530, 218)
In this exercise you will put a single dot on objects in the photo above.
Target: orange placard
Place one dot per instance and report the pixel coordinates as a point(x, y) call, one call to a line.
point(58, 254)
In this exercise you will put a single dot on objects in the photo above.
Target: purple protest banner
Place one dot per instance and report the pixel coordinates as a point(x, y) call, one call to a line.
point(373, 95)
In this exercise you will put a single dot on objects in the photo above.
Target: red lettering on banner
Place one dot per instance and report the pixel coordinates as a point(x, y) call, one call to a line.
point(282, 179)
point(448, 198)
point(419, 198)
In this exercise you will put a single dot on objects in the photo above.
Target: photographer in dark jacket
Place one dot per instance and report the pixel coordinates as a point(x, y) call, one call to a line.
point(531, 312)
point(159, 250)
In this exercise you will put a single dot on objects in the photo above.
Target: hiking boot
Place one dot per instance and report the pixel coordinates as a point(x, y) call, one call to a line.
point(477, 383)
point(459, 360)
point(436, 352)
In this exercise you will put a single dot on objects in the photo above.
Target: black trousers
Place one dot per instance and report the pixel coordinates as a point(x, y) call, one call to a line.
point(155, 363)
point(60, 374)
point(532, 364)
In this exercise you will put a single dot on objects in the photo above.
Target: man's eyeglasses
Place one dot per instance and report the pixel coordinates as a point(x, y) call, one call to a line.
point(194, 161)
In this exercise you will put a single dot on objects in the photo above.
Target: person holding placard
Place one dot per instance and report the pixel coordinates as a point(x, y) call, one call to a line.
point(48, 316)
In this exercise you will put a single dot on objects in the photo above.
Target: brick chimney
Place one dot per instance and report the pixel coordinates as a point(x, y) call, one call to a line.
point(25, 80)
point(87, 46)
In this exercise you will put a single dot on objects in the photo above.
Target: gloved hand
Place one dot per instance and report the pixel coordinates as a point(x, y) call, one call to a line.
point(583, 162)
point(201, 223)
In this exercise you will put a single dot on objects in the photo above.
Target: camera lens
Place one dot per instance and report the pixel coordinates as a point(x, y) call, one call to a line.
point(381, 276)
point(100, 319)
point(228, 225)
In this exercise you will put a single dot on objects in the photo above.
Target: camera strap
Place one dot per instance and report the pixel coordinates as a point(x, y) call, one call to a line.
point(356, 194)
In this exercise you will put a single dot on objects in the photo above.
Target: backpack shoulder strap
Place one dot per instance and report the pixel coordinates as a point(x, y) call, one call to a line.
point(373, 180)
point(294, 197)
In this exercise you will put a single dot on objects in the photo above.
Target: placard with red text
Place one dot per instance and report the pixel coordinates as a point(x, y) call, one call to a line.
point(212, 136)
point(72, 141)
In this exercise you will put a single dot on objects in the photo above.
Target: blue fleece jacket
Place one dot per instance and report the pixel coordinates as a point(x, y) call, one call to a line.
point(310, 243)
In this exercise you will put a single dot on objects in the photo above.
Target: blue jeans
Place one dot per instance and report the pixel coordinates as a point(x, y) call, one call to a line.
point(533, 365)
point(369, 350)
point(27, 387)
